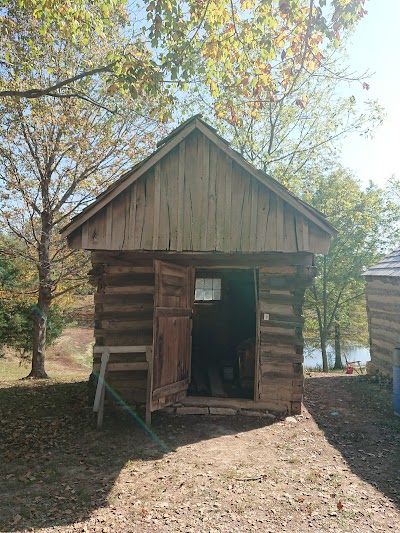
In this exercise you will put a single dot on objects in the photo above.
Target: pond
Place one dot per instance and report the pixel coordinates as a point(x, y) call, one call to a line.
point(313, 357)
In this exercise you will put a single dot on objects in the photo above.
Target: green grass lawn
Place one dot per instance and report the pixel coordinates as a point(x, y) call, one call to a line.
point(11, 370)
point(69, 358)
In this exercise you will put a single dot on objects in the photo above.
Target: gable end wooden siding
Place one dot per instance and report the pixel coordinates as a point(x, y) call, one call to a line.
point(196, 198)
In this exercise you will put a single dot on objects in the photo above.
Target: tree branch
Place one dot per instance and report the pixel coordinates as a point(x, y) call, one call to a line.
point(37, 93)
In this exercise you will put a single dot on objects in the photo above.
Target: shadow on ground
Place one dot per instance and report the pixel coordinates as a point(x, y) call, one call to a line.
point(357, 418)
point(56, 468)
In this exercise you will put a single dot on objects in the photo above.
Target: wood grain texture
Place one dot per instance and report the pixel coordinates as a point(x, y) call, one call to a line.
point(124, 323)
point(139, 304)
point(280, 328)
point(172, 334)
point(383, 309)
point(198, 198)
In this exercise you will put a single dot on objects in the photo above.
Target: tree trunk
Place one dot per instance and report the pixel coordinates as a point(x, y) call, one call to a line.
point(44, 301)
point(324, 332)
point(338, 352)
point(325, 366)
point(39, 340)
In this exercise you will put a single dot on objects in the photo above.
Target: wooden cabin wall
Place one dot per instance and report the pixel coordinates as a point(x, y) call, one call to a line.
point(383, 308)
point(124, 311)
point(196, 198)
point(123, 317)
point(281, 298)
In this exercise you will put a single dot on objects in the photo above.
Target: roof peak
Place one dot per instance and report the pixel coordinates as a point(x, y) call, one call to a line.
point(166, 145)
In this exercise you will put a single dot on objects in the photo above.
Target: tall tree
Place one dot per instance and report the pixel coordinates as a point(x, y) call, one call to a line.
point(17, 302)
point(364, 219)
point(55, 157)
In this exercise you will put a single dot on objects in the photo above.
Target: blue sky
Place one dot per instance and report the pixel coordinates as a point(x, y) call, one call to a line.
point(375, 46)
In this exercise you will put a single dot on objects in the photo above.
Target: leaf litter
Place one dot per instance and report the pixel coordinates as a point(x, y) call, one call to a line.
point(322, 473)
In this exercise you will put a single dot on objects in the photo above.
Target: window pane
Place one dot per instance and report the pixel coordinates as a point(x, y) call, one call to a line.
point(217, 283)
point(208, 283)
point(199, 294)
point(207, 289)
point(200, 283)
point(208, 294)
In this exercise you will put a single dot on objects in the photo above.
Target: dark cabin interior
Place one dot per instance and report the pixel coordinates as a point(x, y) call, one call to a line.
point(224, 328)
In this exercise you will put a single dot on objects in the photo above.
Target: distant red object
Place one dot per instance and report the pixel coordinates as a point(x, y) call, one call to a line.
point(353, 365)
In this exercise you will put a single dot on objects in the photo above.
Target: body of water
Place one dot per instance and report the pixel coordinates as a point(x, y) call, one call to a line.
point(313, 358)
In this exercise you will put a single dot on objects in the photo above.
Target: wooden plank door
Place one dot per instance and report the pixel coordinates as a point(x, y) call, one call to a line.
point(172, 334)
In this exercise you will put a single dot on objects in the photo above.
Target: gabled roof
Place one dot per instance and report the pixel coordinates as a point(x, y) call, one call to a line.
point(389, 266)
point(165, 146)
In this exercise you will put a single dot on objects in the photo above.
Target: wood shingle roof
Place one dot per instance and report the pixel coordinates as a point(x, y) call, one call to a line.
point(389, 266)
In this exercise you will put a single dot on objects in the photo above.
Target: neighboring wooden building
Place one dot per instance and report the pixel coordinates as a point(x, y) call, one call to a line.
point(201, 262)
point(383, 307)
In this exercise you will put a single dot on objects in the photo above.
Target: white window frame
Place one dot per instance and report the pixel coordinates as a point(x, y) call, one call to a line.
point(208, 289)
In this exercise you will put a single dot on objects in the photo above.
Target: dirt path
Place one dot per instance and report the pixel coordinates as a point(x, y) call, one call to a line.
point(333, 469)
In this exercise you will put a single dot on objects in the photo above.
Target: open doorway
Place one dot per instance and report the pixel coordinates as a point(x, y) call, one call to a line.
point(223, 335)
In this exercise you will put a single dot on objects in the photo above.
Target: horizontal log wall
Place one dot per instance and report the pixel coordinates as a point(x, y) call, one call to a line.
point(383, 308)
point(196, 198)
point(124, 311)
point(281, 297)
point(124, 317)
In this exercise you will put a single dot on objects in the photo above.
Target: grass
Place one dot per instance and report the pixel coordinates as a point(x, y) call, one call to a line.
point(69, 358)
point(11, 369)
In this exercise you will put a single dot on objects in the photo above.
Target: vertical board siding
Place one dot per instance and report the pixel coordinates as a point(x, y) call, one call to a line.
point(196, 198)
point(181, 189)
point(109, 223)
point(140, 212)
point(146, 227)
point(246, 235)
point(204, 153)
point(117, 231)
point(157, 205)
point(226, 171)
point(289, 229)
point(189, 193)
point(211, 237)
point(237, 200)
point(131, 218)
point(262, 218)
point(270, 239)
point(253, 215)
point(220, 201)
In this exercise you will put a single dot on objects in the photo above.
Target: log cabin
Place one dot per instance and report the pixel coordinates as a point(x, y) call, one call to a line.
point(200, 262)
point(382, 292)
